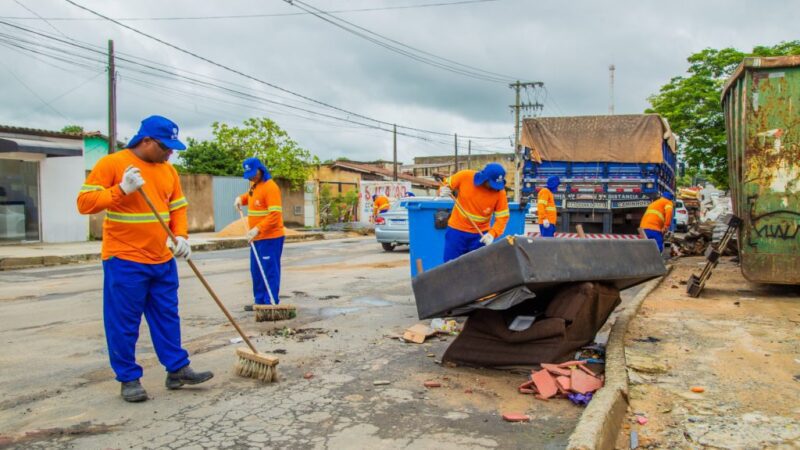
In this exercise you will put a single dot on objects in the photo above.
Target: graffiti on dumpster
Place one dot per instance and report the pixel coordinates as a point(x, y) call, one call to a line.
point(786, 230)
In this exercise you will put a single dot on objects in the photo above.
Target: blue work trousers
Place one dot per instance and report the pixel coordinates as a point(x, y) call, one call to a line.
point(457, 243)
point(269, 252)
point(131, 289)
point(547, 231)
point(656, 236)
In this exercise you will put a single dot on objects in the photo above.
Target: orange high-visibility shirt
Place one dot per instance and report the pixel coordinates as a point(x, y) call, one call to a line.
point(479, 204)
point(130, 230)
point(658, 216)
point(381, 205)
point(264, 209)
point(546, 206)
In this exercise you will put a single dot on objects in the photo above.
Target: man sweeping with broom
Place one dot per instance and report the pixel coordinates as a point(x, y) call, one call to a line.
point(140, 275)
point(266, 236)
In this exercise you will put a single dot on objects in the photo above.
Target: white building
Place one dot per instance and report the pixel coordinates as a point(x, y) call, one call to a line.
point(41, 173)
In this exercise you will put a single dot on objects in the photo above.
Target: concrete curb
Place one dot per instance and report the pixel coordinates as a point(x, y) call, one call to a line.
point(600, 422)
point(30, 262)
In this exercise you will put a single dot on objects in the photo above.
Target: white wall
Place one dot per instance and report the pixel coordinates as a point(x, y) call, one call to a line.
point(60, 180)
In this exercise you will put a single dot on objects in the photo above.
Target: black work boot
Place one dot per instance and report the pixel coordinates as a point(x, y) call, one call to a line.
point(186, 376)
point(132, 391)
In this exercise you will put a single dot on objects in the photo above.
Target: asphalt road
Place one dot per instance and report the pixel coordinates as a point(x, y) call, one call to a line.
point(352, 299)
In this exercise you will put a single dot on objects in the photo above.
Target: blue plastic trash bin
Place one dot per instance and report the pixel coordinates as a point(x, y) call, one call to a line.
point(426, 237)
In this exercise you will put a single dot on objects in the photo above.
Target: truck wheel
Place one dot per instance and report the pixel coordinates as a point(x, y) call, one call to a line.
point(387, 247)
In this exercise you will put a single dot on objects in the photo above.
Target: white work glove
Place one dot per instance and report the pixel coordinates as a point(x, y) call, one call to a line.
point(180, 248)
point(131, 180)
point(487, 239)
point(237, 204)
point(252, 233)
point(546, 223)
point(445, 191)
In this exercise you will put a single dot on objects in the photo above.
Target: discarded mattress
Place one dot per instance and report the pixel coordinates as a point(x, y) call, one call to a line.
point(567, 318)
point(520, 267)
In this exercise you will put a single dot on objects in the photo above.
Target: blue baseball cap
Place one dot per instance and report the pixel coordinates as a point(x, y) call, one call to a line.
point(494, 173)
point(553, 182)
point(161, 129)
point(251, 166)
point(667, 195)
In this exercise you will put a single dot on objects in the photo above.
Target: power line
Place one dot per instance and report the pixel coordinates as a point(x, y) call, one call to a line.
point(410, 52)
point(253, 16)
point(238, 72)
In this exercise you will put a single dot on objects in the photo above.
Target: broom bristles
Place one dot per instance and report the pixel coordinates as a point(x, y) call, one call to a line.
point(273, 313)
point(256, 365)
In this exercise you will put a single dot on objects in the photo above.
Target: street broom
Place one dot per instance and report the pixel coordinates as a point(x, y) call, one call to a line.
point(250, 363)
point(271, 312)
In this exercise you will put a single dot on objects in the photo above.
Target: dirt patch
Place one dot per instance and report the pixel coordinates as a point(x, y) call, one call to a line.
point(737, 343)
point(299, 335)
point(80, 429)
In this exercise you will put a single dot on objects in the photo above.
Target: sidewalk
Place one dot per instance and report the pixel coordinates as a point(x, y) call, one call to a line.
point(25, 256)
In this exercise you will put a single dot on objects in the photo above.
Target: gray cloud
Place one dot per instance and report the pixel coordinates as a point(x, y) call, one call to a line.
point(567, 45)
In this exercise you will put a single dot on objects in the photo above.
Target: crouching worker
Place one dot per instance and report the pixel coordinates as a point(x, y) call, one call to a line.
point(140, 275)
point(657, 219)
point(480, 195)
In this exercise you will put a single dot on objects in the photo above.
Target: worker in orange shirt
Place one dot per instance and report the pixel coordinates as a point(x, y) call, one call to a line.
point(140, 275)
point(265, 217)
point(481, 195)
point(546, 208)
point(657, 219)
point(380, 204)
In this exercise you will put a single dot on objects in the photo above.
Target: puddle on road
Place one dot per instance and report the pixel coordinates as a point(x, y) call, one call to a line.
point(371, 301)
point(328, 312)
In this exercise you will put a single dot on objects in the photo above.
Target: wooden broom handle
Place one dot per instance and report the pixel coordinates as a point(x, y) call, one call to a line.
point(198, 274)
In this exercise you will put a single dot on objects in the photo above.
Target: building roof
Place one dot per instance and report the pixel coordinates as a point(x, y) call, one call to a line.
point(39, 132)
point(375, 170)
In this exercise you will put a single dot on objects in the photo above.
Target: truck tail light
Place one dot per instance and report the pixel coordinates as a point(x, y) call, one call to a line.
point(637, 190)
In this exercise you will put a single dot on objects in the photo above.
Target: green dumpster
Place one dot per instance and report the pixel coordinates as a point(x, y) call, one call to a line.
point(761, 102)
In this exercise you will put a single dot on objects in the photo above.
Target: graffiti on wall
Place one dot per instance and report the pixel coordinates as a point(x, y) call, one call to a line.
point(779, 224)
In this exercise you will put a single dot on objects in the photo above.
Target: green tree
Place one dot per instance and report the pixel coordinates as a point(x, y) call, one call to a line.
point(260, 137)
point(691, 104)
point(72, 129)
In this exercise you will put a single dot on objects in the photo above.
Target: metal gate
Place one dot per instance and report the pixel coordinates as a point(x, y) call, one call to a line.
point(225, 191)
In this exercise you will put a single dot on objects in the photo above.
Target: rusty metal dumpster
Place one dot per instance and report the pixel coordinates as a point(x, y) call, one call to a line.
point(761, 103)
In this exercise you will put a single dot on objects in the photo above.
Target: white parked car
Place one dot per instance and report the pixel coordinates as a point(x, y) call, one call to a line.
point(681, 216)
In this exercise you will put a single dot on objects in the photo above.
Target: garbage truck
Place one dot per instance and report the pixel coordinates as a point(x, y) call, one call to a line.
point(610, 167)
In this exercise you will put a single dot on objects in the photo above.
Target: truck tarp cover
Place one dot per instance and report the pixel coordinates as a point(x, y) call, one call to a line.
point(635, 138)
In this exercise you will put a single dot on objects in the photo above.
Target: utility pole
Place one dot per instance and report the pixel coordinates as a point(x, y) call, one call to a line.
point(394, 146)
point(469, 154)
point(611, 70)
point(455, 146)
point(517, 106)
point(112, 99)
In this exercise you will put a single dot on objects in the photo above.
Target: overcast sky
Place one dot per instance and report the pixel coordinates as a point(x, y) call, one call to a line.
point(566, 45)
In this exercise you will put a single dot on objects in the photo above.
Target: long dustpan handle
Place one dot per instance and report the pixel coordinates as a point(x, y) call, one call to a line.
point(258, 260)
point(198, 274)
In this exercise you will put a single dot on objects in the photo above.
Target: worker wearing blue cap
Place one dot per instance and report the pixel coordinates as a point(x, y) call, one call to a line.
point(546, 208)
point(265, 219)
point(140, 276)
point(479, 196)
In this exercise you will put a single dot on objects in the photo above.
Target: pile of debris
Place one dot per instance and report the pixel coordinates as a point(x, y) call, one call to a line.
point(697, 240)
point(572, 380)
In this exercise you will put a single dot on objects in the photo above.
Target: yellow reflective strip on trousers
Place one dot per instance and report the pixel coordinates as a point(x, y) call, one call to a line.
point(657, 213)
point(135, 217)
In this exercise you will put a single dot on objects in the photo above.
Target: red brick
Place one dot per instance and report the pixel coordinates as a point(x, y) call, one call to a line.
point(582, 382)
point(516, 417)
point(526, 385)
point(432, 384)
point(545, 383)
point(572, 363)
point(556, 370)
point(587, 370)
point(564, 383)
